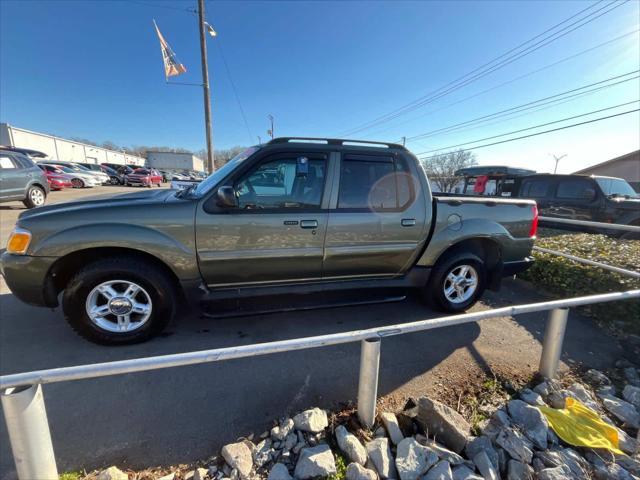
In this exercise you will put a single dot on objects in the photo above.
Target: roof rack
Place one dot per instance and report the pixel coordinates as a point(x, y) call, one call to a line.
point(335, 141)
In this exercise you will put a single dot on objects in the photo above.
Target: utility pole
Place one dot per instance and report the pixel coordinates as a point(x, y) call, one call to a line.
point(270, 131)
point(205, 87)
point(259, 140)
point(404, 140)
point(557, 159)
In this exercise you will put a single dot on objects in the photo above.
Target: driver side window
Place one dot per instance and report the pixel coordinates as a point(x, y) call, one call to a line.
point(280, 184)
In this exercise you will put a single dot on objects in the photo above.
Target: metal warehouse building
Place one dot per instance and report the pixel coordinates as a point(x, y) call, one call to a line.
point(58, 148)
point(174, 161)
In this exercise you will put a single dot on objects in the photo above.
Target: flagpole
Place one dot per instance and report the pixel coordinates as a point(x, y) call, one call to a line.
point(205, 87)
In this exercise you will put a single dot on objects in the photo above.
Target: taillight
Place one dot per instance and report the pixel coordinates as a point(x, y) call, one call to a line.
point(534, 223)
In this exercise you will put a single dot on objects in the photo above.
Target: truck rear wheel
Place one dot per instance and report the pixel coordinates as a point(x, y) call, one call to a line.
point(119, 301)
point(456, 283)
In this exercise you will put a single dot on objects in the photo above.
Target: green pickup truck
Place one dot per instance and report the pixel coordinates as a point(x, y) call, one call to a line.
point(292, 216)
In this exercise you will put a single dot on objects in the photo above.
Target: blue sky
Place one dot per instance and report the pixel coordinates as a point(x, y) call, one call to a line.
point(93, 69)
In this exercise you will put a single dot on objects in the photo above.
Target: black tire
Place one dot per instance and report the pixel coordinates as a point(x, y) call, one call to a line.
point(77, 183)
point(149, 276)
point(434, 292)
point(36, 197)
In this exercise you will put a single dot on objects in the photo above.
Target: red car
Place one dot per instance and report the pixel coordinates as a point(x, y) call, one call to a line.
point(56, 178)
point(147, 177)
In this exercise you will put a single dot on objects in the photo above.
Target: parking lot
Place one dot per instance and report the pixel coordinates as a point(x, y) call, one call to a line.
point(182, 414)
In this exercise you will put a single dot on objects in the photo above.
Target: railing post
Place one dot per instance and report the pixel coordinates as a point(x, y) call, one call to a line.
point(368, 382)
point(552, 344)
point(28, 428)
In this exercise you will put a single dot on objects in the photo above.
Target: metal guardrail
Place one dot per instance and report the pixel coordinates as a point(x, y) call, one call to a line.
point(586, 223)
point(23, 401)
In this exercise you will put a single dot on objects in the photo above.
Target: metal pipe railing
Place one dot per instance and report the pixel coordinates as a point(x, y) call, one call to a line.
point(587, 223)
point(368, 381)
point(586, 261)
point(120, 367)
point(552, 343)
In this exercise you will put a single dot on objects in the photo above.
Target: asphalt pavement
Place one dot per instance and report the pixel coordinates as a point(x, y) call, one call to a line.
point(187, 413)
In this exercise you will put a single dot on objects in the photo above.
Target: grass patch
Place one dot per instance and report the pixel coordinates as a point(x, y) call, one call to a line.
point(565, 278)
point(341, 467)
point(70, 476)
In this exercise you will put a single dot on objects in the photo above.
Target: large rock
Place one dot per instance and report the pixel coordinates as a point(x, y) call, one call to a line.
point(314, 420)
point(413, 459)
point(351, 446)
point(482, 444)
point(443, 453)
point(531, 397)
point(631, 394)
point(579, 392)
point(487, 469)
point(380, 455)
point(631, 374)
point(393, 428)
point(531, 420)
point(279, 472)
point(262, 452)
point(112, 473)
point(516, 444)
point(280, 432)
point(355, 471)
point(597, 377)
point(238, 456)
point(519, 471)
point(611, 472)
point(558, 473)
point(499, 420)
point(462, 472)
point(440, 471)
point(625, 411)
point(575, 462)
point(443, 423)
point(626, 443)
point(315, 462)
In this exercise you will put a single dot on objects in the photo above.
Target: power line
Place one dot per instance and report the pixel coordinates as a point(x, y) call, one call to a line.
point(538, 126)
point(488, 68)
point(529, 105)
point(532, 72)
point(235, 91)
point(168, 7)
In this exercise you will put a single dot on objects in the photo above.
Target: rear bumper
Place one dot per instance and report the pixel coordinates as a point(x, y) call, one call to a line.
point(511, 268)
point(27, 278)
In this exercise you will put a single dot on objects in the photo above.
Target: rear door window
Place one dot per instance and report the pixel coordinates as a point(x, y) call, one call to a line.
point(576, 189)
point(536, 188)
point(7, 163)
point(374, 183)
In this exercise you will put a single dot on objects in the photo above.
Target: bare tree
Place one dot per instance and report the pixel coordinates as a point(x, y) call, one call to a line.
point(441, 168)
point(222, 156)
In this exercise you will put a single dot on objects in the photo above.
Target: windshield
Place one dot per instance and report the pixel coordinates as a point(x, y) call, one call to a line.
point(67, 169)
point(212, 180)
point(616, 187)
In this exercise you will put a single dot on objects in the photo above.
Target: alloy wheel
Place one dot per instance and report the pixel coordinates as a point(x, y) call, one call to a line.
point(119, 306)
point(460, 283)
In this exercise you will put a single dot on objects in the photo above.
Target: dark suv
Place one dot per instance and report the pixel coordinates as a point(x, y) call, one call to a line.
point(578, 197)
point(21, 179)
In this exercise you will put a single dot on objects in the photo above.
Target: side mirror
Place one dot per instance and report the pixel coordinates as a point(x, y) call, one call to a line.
point(227, 197)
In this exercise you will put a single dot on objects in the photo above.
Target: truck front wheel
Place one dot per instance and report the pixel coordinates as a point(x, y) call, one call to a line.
point(456, 283)
point(119, 301)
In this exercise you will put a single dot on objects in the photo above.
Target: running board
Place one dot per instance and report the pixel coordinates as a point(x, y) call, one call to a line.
point(244, 309)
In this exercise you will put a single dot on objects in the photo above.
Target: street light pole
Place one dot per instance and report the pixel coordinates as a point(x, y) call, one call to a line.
point(270, 117)
point(557, 159)
point(205, 87)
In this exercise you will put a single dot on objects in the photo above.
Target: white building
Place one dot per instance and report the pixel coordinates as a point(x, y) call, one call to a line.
point(58, 148)
point(174, 161)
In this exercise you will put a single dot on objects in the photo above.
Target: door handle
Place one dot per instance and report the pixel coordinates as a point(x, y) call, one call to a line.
point(408, 222)
point(308, 224)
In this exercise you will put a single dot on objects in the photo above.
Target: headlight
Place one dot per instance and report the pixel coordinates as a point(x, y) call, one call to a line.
point(19, 241)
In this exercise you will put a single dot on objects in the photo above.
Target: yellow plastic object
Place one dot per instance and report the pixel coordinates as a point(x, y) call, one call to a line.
point(19, 241)
point(578, 425)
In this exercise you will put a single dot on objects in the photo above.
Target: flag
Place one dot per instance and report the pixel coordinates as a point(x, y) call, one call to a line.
point(171, 65)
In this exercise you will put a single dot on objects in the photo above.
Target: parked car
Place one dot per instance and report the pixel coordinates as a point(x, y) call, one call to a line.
point(79, 179)
point(146, 177)
point(58, 180)
point(114, 177)
point(104, 178)
point(21, 179)
point(338, 215)
point(573, 197)
point(83, 176)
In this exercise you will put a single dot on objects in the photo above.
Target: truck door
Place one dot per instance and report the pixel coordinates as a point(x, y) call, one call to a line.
point(276, 232)
point(377, 219)
point(539, 189)
point(575, 199)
